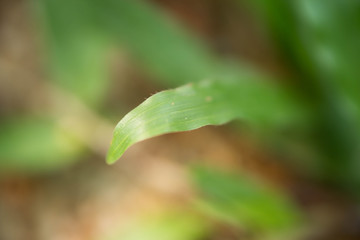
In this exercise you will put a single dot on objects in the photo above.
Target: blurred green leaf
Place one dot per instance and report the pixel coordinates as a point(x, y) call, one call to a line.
point(164, 48)
point(35, 144)
point(77, 47)
point(205, 103)
point(321, 40)
point(168, 226)
point(330, 35)
point(241, 201)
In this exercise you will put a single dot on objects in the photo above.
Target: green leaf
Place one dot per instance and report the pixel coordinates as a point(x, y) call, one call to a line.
point(321, 39)
point(205, 103)
point(76, 46)
point(35, 144)
point(164, 48)
point(330, 35)
point(241, 201)
point(167, 226)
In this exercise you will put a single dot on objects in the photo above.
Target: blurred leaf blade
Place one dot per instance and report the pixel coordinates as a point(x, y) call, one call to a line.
point(321, 40)
point(168, 225)
point(162, 46)
point(209, 102)
point(77, 47)
point(330, 34)
point(35, 144)
point(241, 201)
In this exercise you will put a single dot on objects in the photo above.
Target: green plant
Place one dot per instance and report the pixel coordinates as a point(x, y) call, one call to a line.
point(323, 107)
point(318, 110)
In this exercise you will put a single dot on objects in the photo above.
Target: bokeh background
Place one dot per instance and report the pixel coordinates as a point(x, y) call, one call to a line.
point(67, 78)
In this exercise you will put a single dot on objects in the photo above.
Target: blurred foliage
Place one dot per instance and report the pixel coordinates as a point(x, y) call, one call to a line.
point(77, 47)
point(155, 40)
point(236, 200)
point(168, 225)
point(319, 40)
point(35, 144)
point(245, 203)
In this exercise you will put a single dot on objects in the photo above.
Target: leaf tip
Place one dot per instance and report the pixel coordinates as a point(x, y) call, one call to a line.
point(111, 158)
